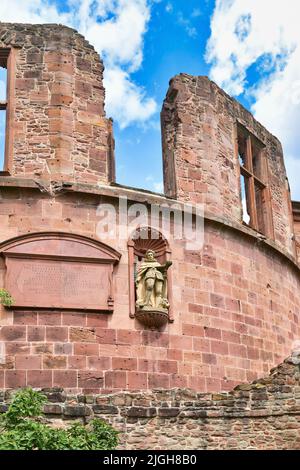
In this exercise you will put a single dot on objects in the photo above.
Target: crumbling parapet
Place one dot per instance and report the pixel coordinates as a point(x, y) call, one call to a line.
point(57, 126)
point(200, 125)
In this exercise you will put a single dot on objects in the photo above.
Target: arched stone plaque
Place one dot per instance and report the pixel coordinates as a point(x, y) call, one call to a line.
point(59, 271)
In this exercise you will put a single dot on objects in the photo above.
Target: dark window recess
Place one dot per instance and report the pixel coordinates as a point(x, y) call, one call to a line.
point(255, 193)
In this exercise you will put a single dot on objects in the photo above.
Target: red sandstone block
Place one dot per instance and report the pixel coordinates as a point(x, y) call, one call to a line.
point(76, 362)
point(15, 378)
point(238, 350)
point(124, 363)
point(91, 380)
point(252, 353)
point(209, 261)
point(237, 317)
point(28, 362)
point(192, 257)
point(63, 348)
point(174, 354)
point(158, 381)
point(181, 342)
point(237, 269)
point(241, 328)
point(147, 365)
point(25, 84)
point(202, 298)
point(13, 333)
point(192, 357)
point(212, 385)
point(178, 381)
point(185, 368)
point(61, 100)
point(99, 363)
point(219, 347)
point(231, 337)
point(201, 344)
point(54, 362)
point(232, 304)
point(167, 367)
point(250, 320)
point(195, 308)
point(115, 379)
point(209, 358)
point(196, 383)
point(222, 323)
point(17, 348)
point(105, 336)
point(216, 372)
point(83, 64)
point(57, 333)
point(235, 374)
point(251, 375)
point(86, 349)
point(42, 348)
point(24, 318)
point(137, 380)
point(128, 337)
point(65, 378)
point(39, 378)
point(266, 356)
point(228, 385)
point(155, 338)
point(192, 330)
point(74, 319)
point(36, 333)
point(212, 333)
point(49, 318)
point(83, 128)
point(82, 334)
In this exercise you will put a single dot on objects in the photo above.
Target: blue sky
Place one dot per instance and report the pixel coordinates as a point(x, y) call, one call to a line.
point(145, 42)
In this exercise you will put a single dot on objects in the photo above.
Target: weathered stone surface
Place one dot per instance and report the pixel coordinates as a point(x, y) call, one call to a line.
point(55, 89)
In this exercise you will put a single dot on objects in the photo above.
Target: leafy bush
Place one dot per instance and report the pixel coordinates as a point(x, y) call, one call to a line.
point(22, 428)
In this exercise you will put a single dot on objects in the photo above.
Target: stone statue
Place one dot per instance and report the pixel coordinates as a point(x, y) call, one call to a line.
point(151, 284)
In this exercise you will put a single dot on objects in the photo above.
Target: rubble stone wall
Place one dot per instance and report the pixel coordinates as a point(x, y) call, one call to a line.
point(262, 415)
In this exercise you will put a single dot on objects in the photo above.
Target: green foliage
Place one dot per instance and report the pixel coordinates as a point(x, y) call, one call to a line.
point(22, 428)
point(5, 298)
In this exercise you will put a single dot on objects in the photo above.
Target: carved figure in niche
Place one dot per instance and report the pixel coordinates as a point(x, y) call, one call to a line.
point(151, 284)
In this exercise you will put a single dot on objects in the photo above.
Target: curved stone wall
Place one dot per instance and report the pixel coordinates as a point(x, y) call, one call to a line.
point(236, 308)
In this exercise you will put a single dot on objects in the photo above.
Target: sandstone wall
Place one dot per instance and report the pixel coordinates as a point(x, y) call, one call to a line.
point(199, 153)
point(236, 308)
point(296, 216)
point(262, 415)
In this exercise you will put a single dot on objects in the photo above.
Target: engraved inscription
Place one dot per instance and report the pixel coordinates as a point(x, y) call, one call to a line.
point(63, 279)
point(58, 284)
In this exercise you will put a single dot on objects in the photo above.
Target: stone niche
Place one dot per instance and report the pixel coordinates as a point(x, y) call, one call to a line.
point(59, 271)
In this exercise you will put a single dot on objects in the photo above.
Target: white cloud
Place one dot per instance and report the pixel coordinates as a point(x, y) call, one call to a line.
point(249, 32)
point(116, 28)
point(127, 101)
